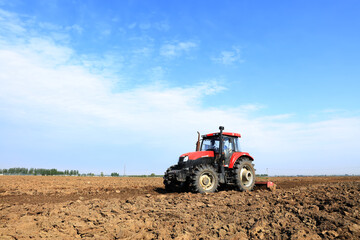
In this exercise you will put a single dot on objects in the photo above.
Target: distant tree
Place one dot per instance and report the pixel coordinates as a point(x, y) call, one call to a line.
point(101, 174)
point(53, 171)
point(152, 175)
point(44, 172)
point(114, 174)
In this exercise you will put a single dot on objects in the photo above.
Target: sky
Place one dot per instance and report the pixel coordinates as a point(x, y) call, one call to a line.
point(102, 85)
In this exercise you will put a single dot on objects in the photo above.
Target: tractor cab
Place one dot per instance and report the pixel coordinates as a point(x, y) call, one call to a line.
point(230, 144)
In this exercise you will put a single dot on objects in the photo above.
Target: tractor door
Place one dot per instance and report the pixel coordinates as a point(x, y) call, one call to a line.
point(229, 148)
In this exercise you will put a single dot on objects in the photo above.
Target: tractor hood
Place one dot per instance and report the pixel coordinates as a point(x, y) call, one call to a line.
point(197, 155)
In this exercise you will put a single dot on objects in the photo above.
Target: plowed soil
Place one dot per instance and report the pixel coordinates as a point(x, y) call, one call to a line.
point(139, 208)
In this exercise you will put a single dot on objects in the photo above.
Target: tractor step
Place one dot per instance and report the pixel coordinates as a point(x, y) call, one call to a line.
point(266, 184)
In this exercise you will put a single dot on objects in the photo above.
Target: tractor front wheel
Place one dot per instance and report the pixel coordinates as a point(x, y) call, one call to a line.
point(204, 179)
point(244, 174)
point(171, 184)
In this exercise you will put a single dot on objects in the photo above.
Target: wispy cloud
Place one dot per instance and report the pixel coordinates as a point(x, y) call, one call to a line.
point(132, 25)
point(160, 26)
point(157, 74)
point(22, 27)
point(10, 23)
point(229, 57)
point(75, 27)
point(177, 49)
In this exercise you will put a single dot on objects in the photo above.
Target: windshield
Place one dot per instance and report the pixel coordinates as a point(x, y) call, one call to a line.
point(213, 144)
point(210, 144)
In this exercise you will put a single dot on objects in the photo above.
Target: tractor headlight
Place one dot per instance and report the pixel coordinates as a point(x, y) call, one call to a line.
point(186, 158)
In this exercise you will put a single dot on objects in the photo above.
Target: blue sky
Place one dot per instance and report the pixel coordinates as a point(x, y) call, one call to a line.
point(96, 85)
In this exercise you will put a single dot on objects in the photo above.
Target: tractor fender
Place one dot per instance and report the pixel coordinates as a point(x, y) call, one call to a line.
point(236, 156)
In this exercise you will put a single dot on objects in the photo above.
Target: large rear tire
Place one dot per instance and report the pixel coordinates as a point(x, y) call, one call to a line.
point(204, 179)
point(244, 174)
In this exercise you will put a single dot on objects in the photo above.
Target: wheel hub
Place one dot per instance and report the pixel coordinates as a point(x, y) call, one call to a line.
point(206, 181)
point(246, 176)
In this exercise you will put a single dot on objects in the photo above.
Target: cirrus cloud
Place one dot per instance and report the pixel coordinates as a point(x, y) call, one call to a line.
point(176, 49)
point(229, 57)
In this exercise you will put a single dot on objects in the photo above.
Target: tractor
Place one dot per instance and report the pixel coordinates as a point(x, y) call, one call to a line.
point(217, 160)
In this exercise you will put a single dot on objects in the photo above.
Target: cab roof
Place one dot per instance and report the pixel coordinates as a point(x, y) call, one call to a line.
point(224, 133)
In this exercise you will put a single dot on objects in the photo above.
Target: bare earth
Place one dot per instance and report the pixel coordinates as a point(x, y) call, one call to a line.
point(139, 208)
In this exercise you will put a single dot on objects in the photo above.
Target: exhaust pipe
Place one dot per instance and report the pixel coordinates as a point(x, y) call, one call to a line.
point(198, 142)
point(221, 159)
point(221, 128)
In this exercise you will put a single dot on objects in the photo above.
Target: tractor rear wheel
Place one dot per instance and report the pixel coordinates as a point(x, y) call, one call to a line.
point(244, 174)
point(204, 179)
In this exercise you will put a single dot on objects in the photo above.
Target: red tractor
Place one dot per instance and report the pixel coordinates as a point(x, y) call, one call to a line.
point(217, 160)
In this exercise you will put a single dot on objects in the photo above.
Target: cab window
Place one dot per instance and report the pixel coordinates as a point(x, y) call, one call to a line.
point(228, 144)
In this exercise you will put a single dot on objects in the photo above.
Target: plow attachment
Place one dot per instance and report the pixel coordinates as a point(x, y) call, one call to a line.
point(265, 185)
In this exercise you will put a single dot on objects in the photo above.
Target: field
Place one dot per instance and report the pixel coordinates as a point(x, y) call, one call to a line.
point(139, 208)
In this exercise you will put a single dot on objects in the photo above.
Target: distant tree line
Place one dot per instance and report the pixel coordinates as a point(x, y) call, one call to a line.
point(261, 175)
point(38, 171)
point(55, 172)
